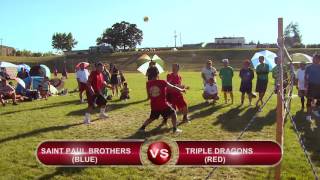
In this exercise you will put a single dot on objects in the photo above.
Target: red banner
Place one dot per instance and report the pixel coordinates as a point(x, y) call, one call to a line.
point(228, 153)
point(86, 153)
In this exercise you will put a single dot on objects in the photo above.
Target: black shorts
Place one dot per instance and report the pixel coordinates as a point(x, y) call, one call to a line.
point(114, 79)
point(165, 113)
point(227, 88)
point(97, 99)
point(246, 87)
point(313, 91)
point(261, 86)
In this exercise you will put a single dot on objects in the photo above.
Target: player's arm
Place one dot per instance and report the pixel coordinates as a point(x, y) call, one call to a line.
point(175, 88)
point(89, 87)
point(203, 76)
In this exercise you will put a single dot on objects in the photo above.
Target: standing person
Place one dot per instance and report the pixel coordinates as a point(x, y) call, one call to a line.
point(312, 84)
point(175, 98)
point(159, 105)
point(94, 93)
point(226, 75)
point(107, 79)
point(301, 81)
point(82, 78)
point(262, 79)
point(115, 80)
point(64, 71)
point(55, 71)
point(122, 78)
point(208, 72)
point(246, 75)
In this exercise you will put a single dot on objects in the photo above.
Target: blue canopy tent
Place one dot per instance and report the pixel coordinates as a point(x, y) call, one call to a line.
point(45, 70)
point(268, 58)
point(25, 66)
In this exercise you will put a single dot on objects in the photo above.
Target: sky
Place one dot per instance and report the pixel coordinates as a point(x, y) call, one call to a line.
point(27, 24)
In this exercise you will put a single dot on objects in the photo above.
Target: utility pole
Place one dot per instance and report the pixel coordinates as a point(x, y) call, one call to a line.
point(1, 46)
point(175, 39)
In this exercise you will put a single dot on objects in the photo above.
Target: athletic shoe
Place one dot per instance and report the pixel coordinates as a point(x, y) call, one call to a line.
point(142, 131)
point(308, 118)
point(86, 120)
point(316, 113)
point(186, 120)
point(177, 131)
point(103, 116)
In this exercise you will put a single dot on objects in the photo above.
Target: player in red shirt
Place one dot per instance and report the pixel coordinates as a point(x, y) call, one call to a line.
point(94, 93)
point(176, 98)
point(157, 92)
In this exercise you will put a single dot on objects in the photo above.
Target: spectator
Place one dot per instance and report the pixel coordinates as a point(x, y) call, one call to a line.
point(23, 73)
point(208, 72)
point(262, 79)
point(300, 83)
point(312, 84)
point(7, 92)
point(246, 76)
point(125, 92)
point(226, 75)
point(210, 91)
point(82, 79)
point(115, 81)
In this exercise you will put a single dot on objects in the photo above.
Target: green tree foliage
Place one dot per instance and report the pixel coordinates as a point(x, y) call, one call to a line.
point(63, 41)
point(293, 37)
point(121, 35)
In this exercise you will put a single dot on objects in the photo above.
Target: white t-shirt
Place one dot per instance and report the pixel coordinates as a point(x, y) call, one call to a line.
point(211, 89)
point(300, 77)
point(83, 75)
point(209, 73)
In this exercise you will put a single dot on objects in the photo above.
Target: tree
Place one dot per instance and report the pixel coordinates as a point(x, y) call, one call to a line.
point(63, 41)
point(121, 35)
point(293, 37)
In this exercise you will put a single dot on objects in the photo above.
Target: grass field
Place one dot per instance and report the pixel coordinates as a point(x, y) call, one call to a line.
point(24, 126)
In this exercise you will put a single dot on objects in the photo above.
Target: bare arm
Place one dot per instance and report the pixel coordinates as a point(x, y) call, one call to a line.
point(175, 88)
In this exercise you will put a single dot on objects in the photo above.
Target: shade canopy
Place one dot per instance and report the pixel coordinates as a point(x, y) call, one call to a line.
point(268, 58)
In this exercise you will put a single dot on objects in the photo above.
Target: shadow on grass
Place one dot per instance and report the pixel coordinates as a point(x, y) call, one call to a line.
point(62, 171)
point(52, 105)
point(207, 112)
point(162, 129)
point(232, 121)
point(311, 136)
point(110, 107)
point(40, 131)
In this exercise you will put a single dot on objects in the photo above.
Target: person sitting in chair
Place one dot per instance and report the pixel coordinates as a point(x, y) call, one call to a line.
point(7, 92)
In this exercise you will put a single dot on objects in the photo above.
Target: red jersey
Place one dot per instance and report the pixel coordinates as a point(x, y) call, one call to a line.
point(174, 79)
point(97, 81)
point(157, 93)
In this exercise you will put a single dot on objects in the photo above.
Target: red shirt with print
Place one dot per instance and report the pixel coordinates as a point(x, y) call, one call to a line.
point(157, 93)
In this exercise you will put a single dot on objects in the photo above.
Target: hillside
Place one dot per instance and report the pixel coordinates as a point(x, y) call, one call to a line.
point(189, 59)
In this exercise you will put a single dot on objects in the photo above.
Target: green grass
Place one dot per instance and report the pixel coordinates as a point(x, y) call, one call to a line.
point(24, 126)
